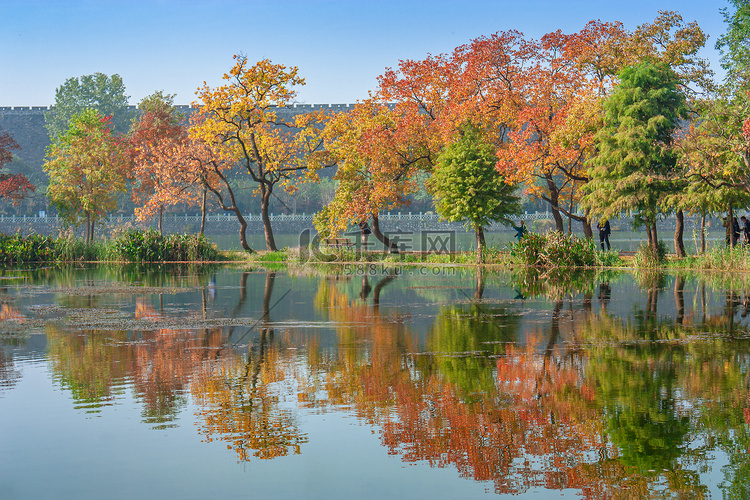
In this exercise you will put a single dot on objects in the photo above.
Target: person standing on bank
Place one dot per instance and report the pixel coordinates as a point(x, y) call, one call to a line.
point(604, 231)
point(364, 229)
point(520, 229)
point(735, 231)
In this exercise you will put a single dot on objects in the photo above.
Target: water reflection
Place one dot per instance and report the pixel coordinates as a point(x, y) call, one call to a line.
point(612, 386)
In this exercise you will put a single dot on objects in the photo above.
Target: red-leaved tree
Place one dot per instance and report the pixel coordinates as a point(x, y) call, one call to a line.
point(12, 186)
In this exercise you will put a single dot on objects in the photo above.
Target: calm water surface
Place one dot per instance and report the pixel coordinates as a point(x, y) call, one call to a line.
point(426, 383)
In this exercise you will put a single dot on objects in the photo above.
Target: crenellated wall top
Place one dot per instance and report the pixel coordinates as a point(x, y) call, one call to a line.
point(34, 110)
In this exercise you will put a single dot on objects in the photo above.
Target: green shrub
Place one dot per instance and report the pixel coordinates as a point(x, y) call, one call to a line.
point(149, 246)
point(132, 246)
point(34, 248)
point(610, 258)
point(554, 249)
point(722, 258)
point(190, 248)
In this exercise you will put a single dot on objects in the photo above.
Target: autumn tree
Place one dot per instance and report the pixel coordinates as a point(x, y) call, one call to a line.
point(670, 40)
point(716, 147)
point(734, 46)
point(467, 187)
point(86, 168)
point(152, 139)
point(544, 149)
point(104, 93)
point(377, 163)
point(715, 156)
point(208, 167)
point(388, 142)
point(633, 170)
point(14, 187)
point(559, 110)
point(243, 117)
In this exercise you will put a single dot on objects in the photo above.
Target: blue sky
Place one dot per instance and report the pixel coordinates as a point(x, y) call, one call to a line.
point(340, 46)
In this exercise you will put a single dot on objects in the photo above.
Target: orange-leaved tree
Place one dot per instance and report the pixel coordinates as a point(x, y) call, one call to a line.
point(207, 165)
point(152, 138)
point(385, 141)
point(246, 119)
point(534, 154)
point(556, 112)
point(376, 166)
point(193, 168)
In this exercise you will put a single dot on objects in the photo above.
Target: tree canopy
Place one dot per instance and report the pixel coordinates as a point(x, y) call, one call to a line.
point(467, 187)
point(151, 141)
point(634, 167)
point(101, 92)
point(86, 167)
point(734, 45)
point(240, 118)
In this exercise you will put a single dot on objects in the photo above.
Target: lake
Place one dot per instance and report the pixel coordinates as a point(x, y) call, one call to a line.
point(372, 382)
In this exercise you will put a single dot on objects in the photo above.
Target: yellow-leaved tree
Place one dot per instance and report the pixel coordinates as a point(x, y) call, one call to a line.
point(243, 118)
point(86, 167)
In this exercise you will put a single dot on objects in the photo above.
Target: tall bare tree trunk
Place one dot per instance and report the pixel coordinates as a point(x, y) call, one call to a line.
point(654, 238)
point(679, 230)
point(586, 223)
point(88, 228)
point(203, 210)
point(570, 208)
point(703, 232)
point(161, 220)
point(243, 230)
point(554, 196)
point(479, 232)
point(265, 201)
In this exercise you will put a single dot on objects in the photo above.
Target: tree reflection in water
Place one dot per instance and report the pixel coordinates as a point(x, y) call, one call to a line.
point(632, 405)
point(239, 396)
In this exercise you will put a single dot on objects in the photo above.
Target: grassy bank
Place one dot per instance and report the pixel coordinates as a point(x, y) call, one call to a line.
point(131, 246)
point(550, 250)
point(536, 250)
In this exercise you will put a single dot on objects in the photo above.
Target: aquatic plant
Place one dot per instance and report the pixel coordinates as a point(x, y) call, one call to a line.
point(555, 249)
point(150, 246)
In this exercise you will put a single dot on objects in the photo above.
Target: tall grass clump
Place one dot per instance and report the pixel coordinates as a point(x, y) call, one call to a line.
point(150, 246)
point(272, 256)
point(554, 249)
point(723, 259)
point(70, 249)
point(645, 256)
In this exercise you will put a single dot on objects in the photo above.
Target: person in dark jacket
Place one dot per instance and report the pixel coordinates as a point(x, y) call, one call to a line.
point(735, 231)
point(604, 231)
point(521, 230)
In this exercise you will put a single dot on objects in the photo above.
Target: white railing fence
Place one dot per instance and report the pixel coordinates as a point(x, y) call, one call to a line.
point(115, 218)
